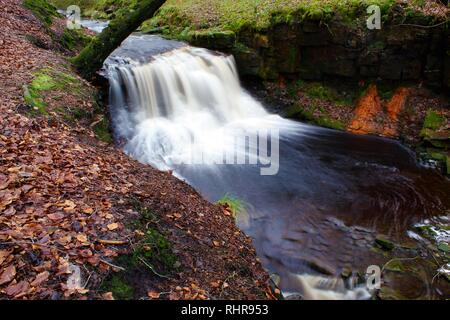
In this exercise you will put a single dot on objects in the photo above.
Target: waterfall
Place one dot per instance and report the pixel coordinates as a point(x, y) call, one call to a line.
point(183, 104)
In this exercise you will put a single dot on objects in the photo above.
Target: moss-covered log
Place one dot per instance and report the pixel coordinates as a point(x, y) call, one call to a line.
point(91, 59)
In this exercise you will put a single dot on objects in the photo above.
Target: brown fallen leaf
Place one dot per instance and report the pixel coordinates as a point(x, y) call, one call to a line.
point(17, 289)
point(3, 255)
point(112, 226)
point(108, 296)
point(83, 239)
point(8, 274)
point(40, 278)
point(153, 294)
point(55, 216)
point(88, 210)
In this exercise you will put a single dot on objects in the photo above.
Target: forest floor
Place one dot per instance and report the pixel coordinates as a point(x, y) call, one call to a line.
point(81, 220)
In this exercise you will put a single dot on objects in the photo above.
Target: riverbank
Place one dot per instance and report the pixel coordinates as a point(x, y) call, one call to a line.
point(75, 207)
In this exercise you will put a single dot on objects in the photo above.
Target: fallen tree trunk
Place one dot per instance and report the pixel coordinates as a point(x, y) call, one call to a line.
point(91, 58)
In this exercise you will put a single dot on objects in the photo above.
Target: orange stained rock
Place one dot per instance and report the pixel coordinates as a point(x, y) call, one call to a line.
point(397, 103)
point(371, 118)
point(369, 106)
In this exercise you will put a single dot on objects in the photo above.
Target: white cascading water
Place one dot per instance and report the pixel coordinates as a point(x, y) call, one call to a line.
point(190, 101)
point(185, 102)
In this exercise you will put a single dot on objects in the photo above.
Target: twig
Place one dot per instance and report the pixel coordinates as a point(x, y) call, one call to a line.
point(397, 259)
point(112, 265)
point(112, 242)
point(420, 26)
point(225, 281)
point(33, 244)
point(152, 269)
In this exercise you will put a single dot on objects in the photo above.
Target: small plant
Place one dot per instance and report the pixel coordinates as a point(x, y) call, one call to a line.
point(119, 287)
point(233, 204)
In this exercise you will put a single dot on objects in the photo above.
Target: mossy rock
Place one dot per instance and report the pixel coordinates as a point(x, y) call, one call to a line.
point(384, 243)
point(212, 39)
point(395, 265)
point(444, 247)
point(433, 120)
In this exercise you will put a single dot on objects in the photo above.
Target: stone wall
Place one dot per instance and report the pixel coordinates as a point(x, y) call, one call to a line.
point(313, 51)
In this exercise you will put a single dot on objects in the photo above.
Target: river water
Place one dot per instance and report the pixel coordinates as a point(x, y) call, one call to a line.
point(325, 194)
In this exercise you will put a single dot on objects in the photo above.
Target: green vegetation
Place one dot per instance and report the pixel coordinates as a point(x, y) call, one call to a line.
point(177, 18)
point(151, 254)
point(126, 21)
point(236, 15)
point(183, 18)
point(45, 80)
point(96, 9)
point(42, 10)
point(384, 243)
point(102, 130)
point(303, 113)
point(74, 39)
point(48, 84)
point(234, 204)
point(155, 251)
point(320, 91)
point(119, 286)
point(433, 120)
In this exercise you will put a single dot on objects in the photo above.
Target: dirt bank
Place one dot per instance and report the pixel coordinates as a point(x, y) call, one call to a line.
point(69, 201)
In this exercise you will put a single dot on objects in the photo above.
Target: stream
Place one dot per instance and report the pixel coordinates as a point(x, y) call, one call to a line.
point(315, 199)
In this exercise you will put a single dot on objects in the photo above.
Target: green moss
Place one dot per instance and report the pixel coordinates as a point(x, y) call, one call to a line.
point(444, 247)
point(119, 287)
point(74, 39)
point(33, 99)
point(384, 243)
point(395, 265)
point(299, 112)
point(210, 38)
point(156, 250)
point(42, 10)
point(238, 15)
point(433, 120)
point(102, 130)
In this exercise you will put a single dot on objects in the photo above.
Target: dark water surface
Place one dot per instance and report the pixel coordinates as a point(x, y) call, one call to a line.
point(333, 194)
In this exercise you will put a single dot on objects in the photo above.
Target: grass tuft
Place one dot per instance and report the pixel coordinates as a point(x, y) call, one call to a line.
point(235, 205)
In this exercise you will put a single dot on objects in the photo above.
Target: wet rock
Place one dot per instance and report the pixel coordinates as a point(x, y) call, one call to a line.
point(320, 266)
point(444, 247)
point(275, 278)
point(220, 40)
point(346, 272)
point(384, 243)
